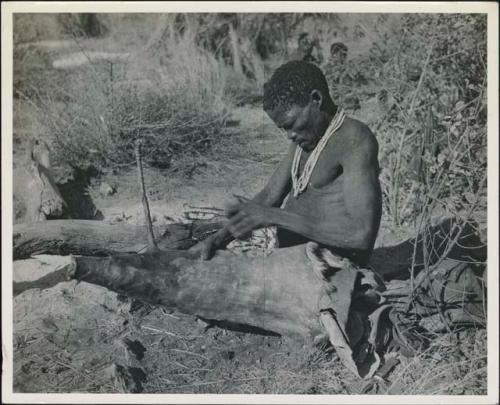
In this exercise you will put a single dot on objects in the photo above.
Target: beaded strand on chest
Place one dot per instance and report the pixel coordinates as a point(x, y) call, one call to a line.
point(300, 183)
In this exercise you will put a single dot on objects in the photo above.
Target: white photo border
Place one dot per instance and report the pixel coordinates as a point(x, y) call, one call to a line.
point(489, 8)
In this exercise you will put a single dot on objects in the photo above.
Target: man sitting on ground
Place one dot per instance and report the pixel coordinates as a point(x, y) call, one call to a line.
point(326, 189)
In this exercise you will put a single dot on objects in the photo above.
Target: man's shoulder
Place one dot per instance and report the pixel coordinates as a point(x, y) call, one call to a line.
point(358, 135)
point(296, 55)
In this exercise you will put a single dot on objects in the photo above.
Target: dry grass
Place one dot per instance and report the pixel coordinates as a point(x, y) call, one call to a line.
point(181, 357)
point(173, 95)
point(454, 364)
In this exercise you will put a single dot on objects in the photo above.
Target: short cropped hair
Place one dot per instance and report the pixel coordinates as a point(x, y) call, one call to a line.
point(302, 36)
point(338, 45)
point(292, 84)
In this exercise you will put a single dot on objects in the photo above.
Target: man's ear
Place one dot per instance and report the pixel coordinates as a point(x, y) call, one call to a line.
point(316, 98)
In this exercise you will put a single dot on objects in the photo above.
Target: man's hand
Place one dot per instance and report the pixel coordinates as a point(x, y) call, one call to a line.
point(246, 216)
point(206, 248)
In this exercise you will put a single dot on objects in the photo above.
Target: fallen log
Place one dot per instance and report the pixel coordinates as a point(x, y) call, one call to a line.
point(95, 238)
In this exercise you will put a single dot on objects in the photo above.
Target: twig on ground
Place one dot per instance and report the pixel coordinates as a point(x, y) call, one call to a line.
point(157, 330)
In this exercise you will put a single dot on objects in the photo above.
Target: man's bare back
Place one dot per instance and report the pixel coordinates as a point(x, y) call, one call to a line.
point(340, 207)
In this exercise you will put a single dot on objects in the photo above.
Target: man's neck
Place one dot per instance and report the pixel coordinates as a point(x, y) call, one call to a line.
point(328, 115)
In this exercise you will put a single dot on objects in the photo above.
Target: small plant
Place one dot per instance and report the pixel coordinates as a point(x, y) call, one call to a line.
point(433, 79)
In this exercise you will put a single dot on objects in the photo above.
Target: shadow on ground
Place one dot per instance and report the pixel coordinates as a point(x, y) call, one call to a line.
point(395, 262)
point(75, 194)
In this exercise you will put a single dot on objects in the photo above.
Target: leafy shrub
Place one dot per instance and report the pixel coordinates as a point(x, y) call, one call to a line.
point(177, 108)
point(428, 84)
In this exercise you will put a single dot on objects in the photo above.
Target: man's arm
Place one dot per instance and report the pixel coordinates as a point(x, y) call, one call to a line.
point(272, 195)
point(357, 229)
point(362, 193)
point(279, 184)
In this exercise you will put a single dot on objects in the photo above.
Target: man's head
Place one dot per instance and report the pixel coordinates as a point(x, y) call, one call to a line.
point(338, 52)
point(297, 99)
point(304, 43)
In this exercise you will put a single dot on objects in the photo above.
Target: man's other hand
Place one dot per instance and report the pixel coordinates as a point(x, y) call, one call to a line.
point(246, 216)
point(206, 248)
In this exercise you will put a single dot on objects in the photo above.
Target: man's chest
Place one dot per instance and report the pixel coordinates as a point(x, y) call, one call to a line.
point(326, 168)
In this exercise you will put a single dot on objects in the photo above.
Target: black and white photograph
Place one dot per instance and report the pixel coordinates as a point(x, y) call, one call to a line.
point(247, 201)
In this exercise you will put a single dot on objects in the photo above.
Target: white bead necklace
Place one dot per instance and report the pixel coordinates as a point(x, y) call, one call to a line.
point(300, 183)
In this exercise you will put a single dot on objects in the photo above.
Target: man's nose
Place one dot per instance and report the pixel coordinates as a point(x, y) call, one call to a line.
point(291, 135)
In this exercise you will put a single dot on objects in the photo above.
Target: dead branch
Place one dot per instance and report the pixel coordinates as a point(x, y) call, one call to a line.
point(152, 246)
point(95, 238)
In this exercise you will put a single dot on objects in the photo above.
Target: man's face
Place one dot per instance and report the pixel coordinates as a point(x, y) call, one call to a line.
point(301, 124)
point(338, 56)
point(305, 44)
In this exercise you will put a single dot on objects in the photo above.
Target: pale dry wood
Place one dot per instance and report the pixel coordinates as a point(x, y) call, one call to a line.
point(91, 238)
point(36, 195)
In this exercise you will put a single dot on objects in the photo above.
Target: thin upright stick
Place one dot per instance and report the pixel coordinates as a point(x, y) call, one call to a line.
point(152, 246)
